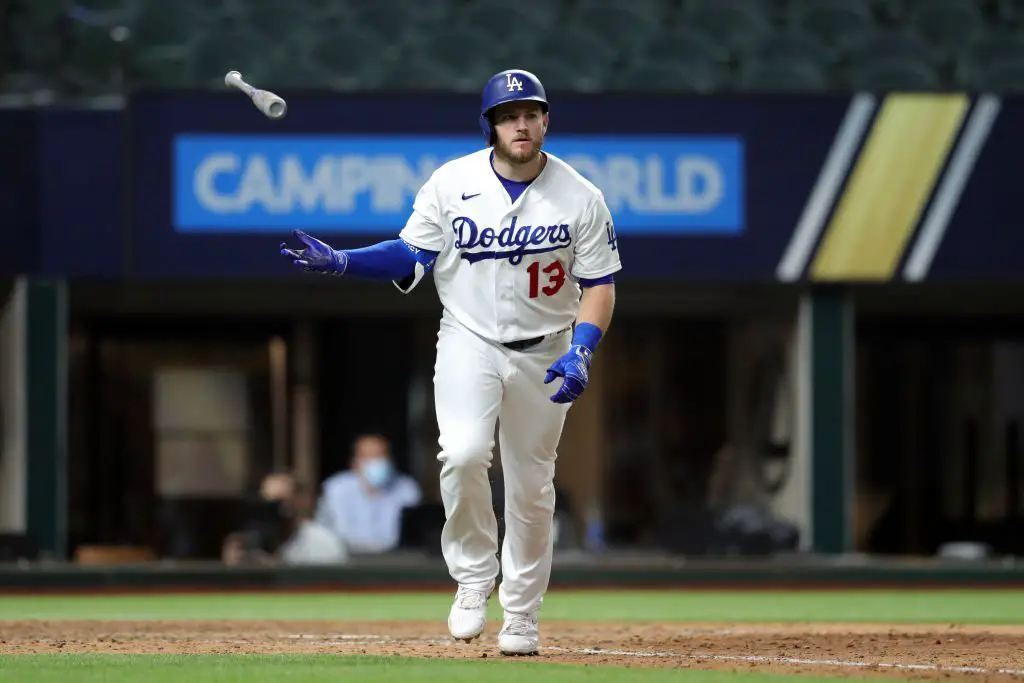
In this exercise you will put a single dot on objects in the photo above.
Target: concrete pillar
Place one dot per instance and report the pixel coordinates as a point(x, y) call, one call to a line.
point(305, 462)
point(45, 385)
point(827, 390)
point(13, 419)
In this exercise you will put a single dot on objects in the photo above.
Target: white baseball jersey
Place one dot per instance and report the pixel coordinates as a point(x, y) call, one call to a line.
point(509, 270)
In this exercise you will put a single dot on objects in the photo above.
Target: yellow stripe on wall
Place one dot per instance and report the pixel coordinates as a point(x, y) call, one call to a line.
point(889, 187)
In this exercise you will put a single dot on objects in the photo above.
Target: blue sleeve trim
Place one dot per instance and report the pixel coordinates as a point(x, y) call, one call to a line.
point(606, 280)
point(424, 257)
point(391, 260)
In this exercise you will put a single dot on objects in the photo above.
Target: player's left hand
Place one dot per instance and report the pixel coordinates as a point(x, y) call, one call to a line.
point(574, 367)
point(317, 257)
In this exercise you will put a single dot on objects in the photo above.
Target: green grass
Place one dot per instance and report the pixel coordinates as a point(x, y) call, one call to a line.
point(940, 607)
point(334, 669)
point(964, 607)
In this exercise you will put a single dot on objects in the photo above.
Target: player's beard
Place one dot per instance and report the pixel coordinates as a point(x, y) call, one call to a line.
point(507, 153)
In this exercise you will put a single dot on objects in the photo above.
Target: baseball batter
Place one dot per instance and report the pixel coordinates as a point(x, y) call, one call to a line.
point(522, 250)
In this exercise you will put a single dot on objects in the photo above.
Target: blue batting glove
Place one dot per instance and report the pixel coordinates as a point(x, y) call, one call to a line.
point(317, 257)
point(574, 367)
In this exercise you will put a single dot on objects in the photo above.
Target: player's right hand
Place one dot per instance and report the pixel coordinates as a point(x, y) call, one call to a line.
point(317, 256)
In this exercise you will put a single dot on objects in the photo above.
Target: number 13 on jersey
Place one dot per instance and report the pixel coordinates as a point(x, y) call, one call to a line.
point(554, 278)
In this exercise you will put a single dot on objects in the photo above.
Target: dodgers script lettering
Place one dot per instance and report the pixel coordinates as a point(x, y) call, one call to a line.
point(514, 242)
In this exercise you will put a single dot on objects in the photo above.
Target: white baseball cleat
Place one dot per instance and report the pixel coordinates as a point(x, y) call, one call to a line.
point(468, 615)
point(519, 635)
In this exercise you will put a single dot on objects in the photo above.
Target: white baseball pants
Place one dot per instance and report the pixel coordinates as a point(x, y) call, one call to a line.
point(478, 382)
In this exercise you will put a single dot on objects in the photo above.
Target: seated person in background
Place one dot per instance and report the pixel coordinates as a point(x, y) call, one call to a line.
point(310, 541)
point(279, 528)
point(363, 505)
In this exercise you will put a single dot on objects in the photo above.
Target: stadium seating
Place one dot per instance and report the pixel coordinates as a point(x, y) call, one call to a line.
point(946, 24)
point(585, 45)
point(782, 75)
point(989, 59)
point(839, 24)
point(1004, 76)
point(666, 76)
point(683, 44)
point(889, 73)
point(732, 23)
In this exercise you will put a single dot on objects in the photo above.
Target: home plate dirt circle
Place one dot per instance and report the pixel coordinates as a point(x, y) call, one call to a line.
point(919, 652)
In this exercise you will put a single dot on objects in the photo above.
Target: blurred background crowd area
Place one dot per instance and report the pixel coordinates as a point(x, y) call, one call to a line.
point(54, 48)
point(211, 423)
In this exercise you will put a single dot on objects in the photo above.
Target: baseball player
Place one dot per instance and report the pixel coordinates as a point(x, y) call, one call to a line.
point(523, 250)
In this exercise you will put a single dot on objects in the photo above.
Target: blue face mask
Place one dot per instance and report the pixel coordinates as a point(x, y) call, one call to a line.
point(378, 472)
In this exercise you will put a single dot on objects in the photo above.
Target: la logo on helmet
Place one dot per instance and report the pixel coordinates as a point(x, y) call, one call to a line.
point(513, 83)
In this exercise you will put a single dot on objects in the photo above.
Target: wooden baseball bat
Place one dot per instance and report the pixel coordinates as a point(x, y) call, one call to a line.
point(272, 105)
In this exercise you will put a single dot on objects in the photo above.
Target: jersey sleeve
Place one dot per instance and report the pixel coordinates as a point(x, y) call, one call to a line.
point(423, 228)
point(597, 247)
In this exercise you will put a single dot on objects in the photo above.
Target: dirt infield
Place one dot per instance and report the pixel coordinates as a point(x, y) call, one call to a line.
point(872, 651)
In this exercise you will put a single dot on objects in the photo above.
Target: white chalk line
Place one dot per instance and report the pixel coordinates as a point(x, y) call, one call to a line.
point(702, 656)
point(791, 660)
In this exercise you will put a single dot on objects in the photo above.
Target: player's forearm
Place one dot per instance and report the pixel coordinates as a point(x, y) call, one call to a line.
point(390, 260)
point(595, 316)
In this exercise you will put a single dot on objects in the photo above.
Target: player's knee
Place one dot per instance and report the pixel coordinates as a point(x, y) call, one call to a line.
point(532, 504)
point(466, 454)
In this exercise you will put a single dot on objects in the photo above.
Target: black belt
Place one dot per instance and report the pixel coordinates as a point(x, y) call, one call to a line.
point(523, 344)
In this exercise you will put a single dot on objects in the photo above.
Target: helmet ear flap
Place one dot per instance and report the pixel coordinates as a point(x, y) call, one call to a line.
point(487, 126)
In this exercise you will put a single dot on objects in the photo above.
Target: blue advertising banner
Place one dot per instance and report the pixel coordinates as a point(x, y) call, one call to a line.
point(654, 185)
point(862, 188)
point(700, 188)
point(61, 193)
point(19, 173)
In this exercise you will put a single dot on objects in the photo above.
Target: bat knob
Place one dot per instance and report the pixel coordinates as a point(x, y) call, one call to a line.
point(231, 76)
point(277, 109)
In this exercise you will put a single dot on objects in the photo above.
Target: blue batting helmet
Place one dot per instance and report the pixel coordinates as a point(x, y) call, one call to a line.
point(511, 85)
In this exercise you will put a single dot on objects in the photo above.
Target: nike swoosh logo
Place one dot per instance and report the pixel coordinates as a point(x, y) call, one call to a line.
point(469, 196)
